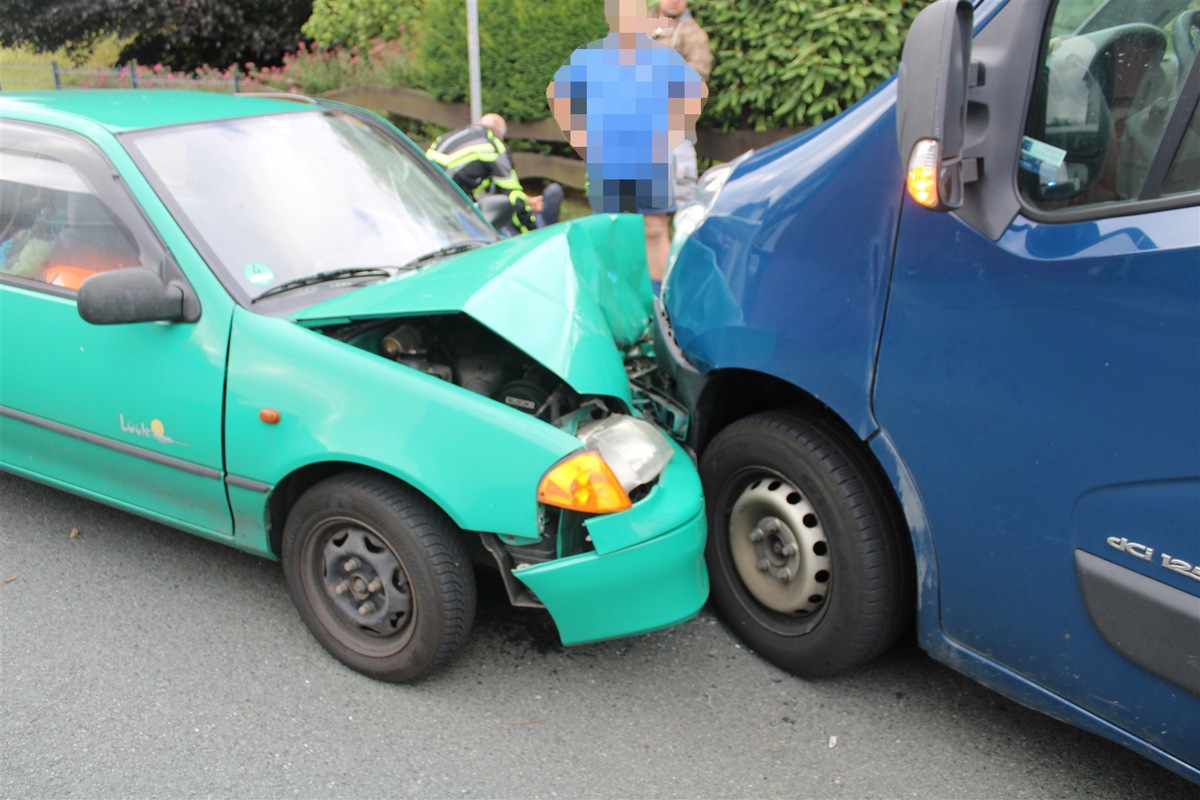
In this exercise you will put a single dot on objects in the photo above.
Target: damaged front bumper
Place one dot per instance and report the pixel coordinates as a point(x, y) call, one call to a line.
point(646, 571)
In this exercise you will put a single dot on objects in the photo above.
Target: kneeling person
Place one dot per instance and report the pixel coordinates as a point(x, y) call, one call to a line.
point(476, 159)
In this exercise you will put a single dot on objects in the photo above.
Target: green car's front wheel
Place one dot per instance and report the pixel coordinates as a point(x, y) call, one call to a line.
point(379, 575)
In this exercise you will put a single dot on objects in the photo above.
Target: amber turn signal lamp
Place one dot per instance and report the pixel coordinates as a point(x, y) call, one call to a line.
point(922, 178)
point(269, 416)
point(583, 482)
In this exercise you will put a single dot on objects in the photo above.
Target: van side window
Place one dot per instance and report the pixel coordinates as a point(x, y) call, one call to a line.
point(1184, 173)
point(1110, 81)
point(55, 227)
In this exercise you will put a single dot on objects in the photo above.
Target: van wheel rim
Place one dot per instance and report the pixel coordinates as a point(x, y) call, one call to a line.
point(779, 547)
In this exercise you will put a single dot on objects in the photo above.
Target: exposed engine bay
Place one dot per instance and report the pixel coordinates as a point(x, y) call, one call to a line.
point(457, 349)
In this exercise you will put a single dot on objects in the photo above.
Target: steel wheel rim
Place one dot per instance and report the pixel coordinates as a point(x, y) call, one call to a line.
point(359, 588)
point(779, 547)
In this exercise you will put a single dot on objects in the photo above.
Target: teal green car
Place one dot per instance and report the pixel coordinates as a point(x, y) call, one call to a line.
point(272, 323)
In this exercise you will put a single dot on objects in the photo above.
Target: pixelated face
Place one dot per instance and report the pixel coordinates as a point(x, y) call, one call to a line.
point(672, 8)
point(626, 16)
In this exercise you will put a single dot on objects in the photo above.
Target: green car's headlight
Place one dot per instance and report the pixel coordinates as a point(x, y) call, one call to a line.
point(635, 450)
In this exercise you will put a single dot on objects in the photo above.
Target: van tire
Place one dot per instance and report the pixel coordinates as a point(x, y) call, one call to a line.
point(379, 575)
point(806, 553)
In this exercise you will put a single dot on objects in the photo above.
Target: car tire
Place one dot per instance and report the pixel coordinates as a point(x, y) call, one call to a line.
point(379, 575)
point(806, 553)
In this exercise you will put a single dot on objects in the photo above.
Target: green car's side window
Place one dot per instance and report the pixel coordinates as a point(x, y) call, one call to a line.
point(62, 217)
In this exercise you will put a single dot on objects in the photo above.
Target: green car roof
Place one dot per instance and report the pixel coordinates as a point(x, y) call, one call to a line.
point(126, 110)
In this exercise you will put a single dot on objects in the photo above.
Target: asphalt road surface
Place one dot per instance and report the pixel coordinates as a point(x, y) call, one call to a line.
point(138, 661)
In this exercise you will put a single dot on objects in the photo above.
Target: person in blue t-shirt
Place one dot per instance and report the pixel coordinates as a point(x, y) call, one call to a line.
point(624, 102)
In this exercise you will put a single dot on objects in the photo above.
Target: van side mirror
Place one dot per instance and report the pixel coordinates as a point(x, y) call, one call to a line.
point(132, 294)
point(931, 106)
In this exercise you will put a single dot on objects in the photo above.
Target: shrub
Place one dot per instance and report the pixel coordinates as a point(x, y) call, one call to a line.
point(782, 63)
point(521, 46)
point(102, 52)
point(356, 22)
point(183, 35)
point(313, 70)
point(778, 63)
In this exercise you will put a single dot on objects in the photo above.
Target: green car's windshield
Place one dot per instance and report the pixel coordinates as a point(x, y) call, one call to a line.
point(278, 198)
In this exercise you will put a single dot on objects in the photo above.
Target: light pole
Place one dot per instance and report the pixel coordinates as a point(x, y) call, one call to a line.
point(473, 58)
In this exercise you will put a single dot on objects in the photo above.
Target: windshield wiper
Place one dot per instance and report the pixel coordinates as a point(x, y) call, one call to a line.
point(449, 250)
point(325, 277)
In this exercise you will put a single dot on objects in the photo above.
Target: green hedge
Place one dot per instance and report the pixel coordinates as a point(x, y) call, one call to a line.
point(522, 43)
point(781, 63)
point(358, 22)
point(778, 63)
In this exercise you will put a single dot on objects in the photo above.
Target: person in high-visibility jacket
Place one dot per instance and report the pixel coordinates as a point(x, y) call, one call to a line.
point(476, 159)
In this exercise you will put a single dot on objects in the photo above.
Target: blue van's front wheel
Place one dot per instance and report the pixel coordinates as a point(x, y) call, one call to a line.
point(805, 551)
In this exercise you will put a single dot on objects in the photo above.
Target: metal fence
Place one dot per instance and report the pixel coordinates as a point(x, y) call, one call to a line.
point(39, 77)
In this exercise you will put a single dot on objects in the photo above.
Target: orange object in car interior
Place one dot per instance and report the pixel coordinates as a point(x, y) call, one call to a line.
point(67, 276)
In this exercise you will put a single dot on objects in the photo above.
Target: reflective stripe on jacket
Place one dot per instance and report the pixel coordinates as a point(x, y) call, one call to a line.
point(477, 160)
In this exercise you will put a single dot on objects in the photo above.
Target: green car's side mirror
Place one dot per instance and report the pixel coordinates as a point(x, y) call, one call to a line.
point(134, 294)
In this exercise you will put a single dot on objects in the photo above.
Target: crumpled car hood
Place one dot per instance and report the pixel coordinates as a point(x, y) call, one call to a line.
point(571, 296)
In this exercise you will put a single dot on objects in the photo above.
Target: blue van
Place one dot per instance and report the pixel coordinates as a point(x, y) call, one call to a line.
point(958, 381)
